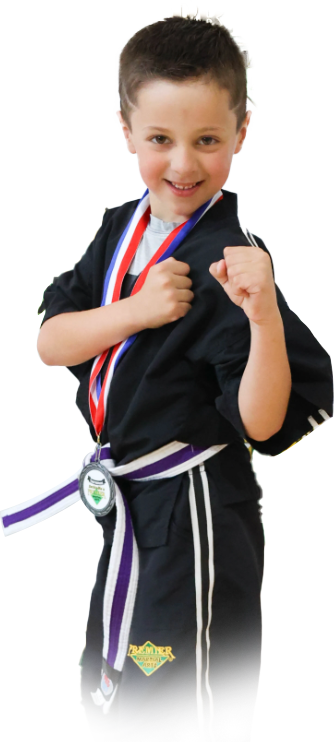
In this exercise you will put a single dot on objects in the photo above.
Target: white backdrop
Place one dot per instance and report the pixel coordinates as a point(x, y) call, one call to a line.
point(63, 161)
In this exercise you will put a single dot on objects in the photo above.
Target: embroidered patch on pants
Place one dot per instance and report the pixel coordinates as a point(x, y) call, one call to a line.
point(149, 657)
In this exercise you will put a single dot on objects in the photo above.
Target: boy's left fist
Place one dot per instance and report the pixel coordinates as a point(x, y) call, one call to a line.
point(245, 273)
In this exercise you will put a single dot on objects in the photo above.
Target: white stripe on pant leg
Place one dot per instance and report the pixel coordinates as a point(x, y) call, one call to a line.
point(115, 558)
point(208, 513)
point(198, 591)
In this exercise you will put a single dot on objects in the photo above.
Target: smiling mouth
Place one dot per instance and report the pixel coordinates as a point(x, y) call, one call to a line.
point(184, 187)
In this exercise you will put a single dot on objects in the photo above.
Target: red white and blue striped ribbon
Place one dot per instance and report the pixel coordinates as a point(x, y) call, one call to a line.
point(119, 265)
point(168, 461)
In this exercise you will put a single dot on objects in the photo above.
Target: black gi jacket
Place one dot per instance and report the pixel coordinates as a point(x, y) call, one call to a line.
point(180, 381)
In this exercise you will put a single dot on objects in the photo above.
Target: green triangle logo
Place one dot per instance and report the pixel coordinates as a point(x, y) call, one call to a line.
point(97, 497)
point(42, 254)
point(56, 691)
point(297, 487)
point(289, 47)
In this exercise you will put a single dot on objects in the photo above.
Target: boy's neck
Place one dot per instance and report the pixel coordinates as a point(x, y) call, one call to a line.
point(168, 216)
point(163, 212)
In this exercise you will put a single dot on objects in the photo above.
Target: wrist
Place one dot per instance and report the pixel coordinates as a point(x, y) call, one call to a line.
point(272, 323)
point(136, 314)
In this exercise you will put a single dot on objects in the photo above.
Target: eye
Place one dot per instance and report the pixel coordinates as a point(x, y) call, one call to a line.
point(208, 140)
point(159, 139)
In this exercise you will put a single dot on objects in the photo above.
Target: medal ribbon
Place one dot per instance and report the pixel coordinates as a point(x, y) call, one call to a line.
point(119, 265)
point(121, 582)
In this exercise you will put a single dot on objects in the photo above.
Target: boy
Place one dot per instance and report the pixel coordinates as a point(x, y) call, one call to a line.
point(218, 357)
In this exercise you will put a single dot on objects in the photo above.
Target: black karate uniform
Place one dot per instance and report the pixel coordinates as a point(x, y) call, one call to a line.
point(180, 382)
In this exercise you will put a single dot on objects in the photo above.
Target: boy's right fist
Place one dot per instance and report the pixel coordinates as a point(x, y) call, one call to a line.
point(165, 295)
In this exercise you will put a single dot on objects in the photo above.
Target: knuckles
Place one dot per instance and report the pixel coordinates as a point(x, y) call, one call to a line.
point(170, 296)
point(165, 281)
point(161, 292)
point(251, 254)
point(237, 281)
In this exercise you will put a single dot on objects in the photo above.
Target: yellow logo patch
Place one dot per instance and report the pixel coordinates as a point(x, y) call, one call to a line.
point(149, 657)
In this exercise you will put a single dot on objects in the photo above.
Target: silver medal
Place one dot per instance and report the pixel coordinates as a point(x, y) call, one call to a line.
point(97, 488)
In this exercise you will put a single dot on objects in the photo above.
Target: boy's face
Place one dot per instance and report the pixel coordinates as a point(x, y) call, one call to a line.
point(184, 135)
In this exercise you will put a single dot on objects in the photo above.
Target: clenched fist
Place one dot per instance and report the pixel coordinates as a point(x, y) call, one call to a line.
point(165, 295)
point(245, 273)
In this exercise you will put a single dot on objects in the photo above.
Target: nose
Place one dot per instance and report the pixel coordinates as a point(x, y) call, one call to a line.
point(183, 163)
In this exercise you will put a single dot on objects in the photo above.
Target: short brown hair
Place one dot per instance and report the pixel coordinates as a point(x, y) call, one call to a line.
point(179, 49)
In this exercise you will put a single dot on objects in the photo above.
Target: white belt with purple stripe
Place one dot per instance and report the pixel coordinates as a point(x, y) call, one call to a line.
point(121, 585)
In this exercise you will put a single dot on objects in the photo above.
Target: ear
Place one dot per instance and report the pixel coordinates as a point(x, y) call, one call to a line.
point(127, 133)
point(242, 132)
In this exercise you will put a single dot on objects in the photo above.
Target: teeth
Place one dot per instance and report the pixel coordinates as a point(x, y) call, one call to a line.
point(183, 188)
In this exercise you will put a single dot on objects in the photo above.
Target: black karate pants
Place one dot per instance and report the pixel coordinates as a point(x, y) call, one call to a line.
point(199, 595)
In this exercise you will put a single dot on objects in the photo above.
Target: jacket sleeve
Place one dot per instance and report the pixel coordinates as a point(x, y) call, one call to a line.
point(75, 290)
point(79, 289)
point(311, 399)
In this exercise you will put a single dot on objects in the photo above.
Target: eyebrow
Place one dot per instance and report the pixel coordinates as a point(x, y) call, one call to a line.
point(204, 128)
